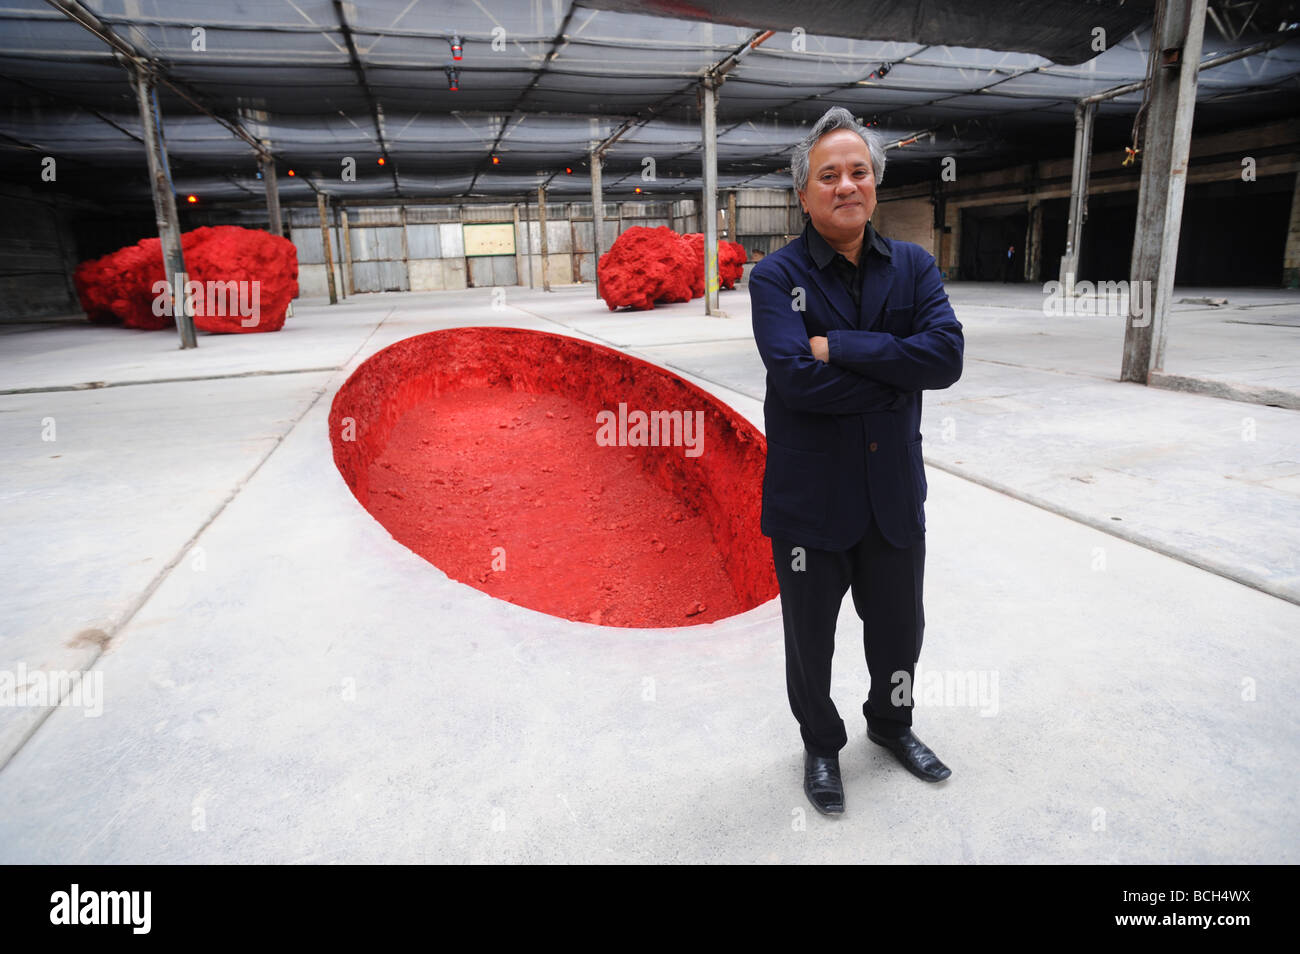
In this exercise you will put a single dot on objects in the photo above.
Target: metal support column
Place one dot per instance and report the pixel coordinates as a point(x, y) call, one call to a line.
point(1080, 170)
point(1034, 243)
point(1167, 142)
point(528, 241)
point(514, 216)
point(345, 241)
point(272, 184)
point(344, 285)
point(406, 246)
point(327, 245)
point(541, 228)
point(709, 130)
point(164, 205)
point(597, 211)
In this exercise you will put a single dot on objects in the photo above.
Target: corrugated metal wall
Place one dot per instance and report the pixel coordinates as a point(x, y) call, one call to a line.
point(421, 247)
point(767, 219)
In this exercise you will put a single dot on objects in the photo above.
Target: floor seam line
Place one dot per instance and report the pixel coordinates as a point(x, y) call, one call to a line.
point(161, 576)
point(101, 385)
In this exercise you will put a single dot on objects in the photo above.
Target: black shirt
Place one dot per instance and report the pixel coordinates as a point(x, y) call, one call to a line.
point(848, 273)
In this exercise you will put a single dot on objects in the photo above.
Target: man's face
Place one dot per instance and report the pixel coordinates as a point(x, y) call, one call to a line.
point(841, 192)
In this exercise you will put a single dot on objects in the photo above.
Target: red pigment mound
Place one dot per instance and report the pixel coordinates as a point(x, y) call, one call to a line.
point(487, 451)
point(645, 266)
point(731, 260)
point(120, 286)
point(226, 253)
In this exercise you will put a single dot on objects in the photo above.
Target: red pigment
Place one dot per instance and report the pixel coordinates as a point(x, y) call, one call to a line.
point(645, 266)
point(731, 260)
point(463, 441)
point(120, 286)
point(483, 468)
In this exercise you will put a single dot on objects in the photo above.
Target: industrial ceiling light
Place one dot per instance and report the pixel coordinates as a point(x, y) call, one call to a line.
point(192, 199)
point(453, 78)
point(456, 46)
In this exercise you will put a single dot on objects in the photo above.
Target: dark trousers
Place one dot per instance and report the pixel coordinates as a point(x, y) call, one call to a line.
point(886, 582)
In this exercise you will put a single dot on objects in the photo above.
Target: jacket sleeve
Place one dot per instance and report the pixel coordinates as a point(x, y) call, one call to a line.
point(928, 359)
point(803, 382)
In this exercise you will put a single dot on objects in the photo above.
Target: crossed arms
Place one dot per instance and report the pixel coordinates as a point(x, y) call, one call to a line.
point(864, 370)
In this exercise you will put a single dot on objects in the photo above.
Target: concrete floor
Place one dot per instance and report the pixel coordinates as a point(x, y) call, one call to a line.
point(283, 682)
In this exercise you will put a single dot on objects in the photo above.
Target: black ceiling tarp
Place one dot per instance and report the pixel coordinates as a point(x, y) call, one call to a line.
point(1060, 30)
point(540, 83)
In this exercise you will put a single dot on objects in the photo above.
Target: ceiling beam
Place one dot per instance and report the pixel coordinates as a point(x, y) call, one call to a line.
point(556, 42)
point(77, 12)
point(376, 113)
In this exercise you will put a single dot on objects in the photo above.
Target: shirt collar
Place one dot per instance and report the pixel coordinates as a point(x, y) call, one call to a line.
point(823, 254)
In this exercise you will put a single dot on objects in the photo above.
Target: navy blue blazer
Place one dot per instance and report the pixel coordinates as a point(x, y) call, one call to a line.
point(844, 438)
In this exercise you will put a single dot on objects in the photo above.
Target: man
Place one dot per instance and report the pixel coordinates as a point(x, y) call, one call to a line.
point(852, 327)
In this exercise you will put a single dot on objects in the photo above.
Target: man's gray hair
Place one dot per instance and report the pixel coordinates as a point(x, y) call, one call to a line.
point(837, 117)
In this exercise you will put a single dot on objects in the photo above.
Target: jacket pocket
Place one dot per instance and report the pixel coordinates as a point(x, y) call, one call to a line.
point(797, 486)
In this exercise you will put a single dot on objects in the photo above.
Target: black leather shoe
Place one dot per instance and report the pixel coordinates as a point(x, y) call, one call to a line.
point(915, 756)
point(821, 783)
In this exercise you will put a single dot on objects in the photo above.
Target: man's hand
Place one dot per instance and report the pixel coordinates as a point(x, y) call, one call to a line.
point(820, 349)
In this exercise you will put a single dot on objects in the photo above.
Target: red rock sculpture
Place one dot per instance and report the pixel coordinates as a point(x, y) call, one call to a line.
point(645, 266)
point(731, 260)
point(264, 268)
point(117, 287)
point(245, 279)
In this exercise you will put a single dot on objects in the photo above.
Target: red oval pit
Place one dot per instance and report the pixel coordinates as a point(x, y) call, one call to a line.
point(477, 448)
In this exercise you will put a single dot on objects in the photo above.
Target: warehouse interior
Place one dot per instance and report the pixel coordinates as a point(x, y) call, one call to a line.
point(1114, 510)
